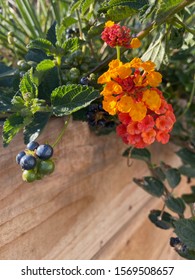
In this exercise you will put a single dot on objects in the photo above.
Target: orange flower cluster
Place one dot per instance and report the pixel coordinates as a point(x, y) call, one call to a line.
point(131, 92)
point(116, 35)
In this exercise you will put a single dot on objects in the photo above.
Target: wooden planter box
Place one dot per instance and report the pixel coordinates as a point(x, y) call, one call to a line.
point(89, 208)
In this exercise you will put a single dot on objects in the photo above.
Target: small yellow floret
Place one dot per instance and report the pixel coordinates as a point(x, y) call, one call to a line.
point(135, 43)
point(109, 23)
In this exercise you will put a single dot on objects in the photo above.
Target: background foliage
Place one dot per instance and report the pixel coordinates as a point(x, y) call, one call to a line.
point(51, 56)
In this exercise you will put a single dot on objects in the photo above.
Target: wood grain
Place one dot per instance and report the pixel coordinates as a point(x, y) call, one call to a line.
point(89, 208)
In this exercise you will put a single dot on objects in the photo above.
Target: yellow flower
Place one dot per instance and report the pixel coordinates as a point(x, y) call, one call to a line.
point(138, 111)
point(109, 23)
point(154, 78)
point(152, 99)
point(136, 63)
point(114, 64)
point(125, 104)
point(104, 78)
point(112, 88)
point(148, 66)
point(135, 43)
point(123, 71)
point(110, 105)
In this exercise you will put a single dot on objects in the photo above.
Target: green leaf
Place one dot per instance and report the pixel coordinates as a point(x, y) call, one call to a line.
point(71, 98)
point(75, 6)
point(155, 51)
point(80, 115)
point(175, 204)
point(85, 5)
point(42, 68)
point(132, 4)
point(42, 44)
point(34, 129)
point(70, 45)
point(5, 102)
point(162, 220)
point(173, 177)
point(11, 127)
point(159, 174)
point(95, 30)
point(166, 8)
point(187, 171)
point(189, 198)
point(68, 21)
point(187, 156)
point(188, 254)
point(142, 154)
point(118, 13)
point(185, 230)
point(27, 87)
point(151, 185)
point(51, 34)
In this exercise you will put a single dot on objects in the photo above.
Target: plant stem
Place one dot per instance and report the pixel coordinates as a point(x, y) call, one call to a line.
point(79, 25)
point(118, 52)
point(192, 209)
point(62, 131)
point(190, 30)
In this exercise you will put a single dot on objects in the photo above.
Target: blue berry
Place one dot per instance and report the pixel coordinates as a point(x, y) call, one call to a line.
point(28, 162)
point(84, 81)
point(19, 156)
point(44, 151)
point(32, 145)
point(174, 241)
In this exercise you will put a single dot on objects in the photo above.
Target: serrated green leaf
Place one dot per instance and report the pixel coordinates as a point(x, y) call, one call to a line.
point(173, 177)
point(187, 171)
point(71, 45)
point(18, 103)
point(42, 44)
point(155, 51)
point(45, 65)
point(151, 185)
point(141, 154)
point(162, 220)
point(187, 156)
point(60, 29)
point(185, 230)
point(175, 204)
point(27, 87)
point(34, 129)
point(11, 127)
point(95, 30)
point(118, 13)
point(71, 98)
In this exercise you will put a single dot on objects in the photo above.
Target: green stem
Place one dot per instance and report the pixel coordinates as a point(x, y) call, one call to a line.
point(190, 30)
point(79, 25)
point(59, 61)
point(192, 209)
point(62, 132)
point(118, 52)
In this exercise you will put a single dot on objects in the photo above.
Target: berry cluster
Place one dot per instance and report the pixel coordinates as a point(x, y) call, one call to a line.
point(97, 117)
point(115, 35)
point(35, 161)
point(130, 93)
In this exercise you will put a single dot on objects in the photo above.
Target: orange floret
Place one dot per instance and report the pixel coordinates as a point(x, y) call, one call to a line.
point(151, 99)
point(154, 78)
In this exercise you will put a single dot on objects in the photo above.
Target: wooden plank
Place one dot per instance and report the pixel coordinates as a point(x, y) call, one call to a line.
point(86, 207)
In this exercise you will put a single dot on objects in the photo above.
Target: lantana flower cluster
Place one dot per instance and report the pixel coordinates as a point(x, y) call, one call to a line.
point(119, 36)
point(131, 93)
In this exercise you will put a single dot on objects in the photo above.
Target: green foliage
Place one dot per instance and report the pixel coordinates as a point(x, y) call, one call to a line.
point(162, 220)
point(187, 156)
point(151, 185)
point(175, 204)
point(118, 13)
point(185, 230)
point(42, 44)
point(141, 154)
point(173, 176)
point(71, 98)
